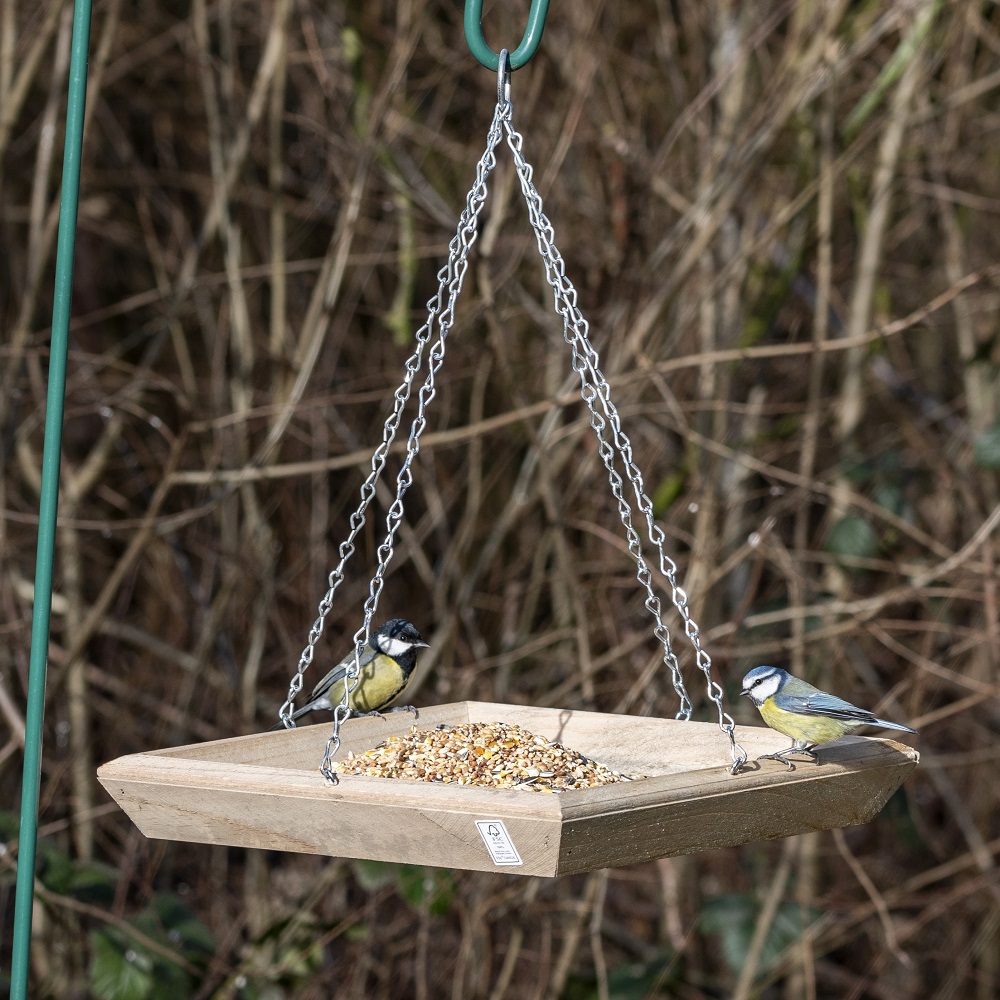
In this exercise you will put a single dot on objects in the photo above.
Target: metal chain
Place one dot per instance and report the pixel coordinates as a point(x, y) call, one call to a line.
point(594, 389)
point(440, 317)
point(595, 392)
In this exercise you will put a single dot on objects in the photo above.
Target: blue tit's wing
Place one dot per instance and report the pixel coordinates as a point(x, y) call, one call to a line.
point(817, 702)
point(339, 672)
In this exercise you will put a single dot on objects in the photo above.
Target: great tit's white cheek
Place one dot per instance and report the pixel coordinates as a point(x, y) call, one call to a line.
point(394, 647)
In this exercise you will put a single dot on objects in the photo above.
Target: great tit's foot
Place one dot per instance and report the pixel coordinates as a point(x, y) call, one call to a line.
point(373, 714)
point(404, 708)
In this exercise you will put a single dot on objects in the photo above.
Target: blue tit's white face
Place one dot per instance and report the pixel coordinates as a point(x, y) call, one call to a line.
point(762, 683)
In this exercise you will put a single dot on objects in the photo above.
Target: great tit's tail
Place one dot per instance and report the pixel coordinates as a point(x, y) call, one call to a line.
point(891, 725)
point(297, 714)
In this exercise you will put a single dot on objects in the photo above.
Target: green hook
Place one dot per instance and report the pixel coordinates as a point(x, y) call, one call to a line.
point(520, 55)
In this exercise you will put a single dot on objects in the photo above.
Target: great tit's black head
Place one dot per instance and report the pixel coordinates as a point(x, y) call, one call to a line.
point(399, 639)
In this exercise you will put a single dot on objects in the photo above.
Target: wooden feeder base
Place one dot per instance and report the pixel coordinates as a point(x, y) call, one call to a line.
point(265, 791)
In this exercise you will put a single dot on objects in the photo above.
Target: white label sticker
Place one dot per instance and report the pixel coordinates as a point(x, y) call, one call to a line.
point(498, 842)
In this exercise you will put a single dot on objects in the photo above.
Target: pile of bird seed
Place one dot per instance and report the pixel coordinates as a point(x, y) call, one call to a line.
point(487, 754)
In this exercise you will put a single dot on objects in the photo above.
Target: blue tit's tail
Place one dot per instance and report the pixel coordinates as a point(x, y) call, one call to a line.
point(890, 725)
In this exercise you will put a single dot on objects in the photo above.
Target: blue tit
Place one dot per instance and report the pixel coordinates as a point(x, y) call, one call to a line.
point(806, 714)
point(388, 661)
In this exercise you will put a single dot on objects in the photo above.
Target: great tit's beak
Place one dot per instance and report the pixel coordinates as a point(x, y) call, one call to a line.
point(421, 644)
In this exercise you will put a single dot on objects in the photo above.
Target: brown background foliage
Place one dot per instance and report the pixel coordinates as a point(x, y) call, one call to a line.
point(781, 219)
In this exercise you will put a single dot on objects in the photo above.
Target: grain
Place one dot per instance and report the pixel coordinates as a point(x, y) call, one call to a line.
point(487, 754)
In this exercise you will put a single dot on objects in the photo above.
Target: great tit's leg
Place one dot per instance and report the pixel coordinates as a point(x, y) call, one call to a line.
point(373, 714)
point(376, 713)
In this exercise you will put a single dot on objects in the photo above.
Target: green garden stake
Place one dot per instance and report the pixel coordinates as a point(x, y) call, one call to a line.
point(49, 500)
point(524, 51)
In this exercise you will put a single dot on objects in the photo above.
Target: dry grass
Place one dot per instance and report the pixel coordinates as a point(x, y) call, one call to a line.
point(781, 221)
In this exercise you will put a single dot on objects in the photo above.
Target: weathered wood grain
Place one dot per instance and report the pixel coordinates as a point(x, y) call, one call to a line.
point(265, 791)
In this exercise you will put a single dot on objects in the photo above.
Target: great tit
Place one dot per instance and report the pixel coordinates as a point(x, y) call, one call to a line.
point(387, 660)
point(803, 712)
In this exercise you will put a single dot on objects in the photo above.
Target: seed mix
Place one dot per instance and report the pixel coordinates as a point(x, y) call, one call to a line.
point(487, 754)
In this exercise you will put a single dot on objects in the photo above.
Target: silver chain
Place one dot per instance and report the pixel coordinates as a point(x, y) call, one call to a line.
point(594, 388)
point(440, 318)
point(596, 393)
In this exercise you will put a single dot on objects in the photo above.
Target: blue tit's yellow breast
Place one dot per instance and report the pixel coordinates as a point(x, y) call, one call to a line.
point(379, 682)
point(810, 729)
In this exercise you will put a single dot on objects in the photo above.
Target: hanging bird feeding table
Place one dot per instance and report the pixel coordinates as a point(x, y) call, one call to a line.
point(693, 791)
point(266, 791)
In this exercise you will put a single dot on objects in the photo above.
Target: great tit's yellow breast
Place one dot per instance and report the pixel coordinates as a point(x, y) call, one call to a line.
point(811, 729)
point(379, 682)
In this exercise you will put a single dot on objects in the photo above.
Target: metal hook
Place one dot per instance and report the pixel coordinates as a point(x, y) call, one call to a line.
point(503, 77)
point(524, 51)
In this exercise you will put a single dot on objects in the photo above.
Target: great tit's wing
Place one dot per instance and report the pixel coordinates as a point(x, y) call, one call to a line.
point(339, 672)
point(820, 703)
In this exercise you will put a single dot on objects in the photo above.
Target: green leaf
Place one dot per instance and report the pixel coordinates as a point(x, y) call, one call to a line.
point(655, 979)
point(733, 917)
point(906, 51)
point(118, 972)
point(667, 491)
point(852, 536)
point(93, 882)
point(170, 982)
point(986, 450)
point(121, 968)
point(9, 826)
point(433, 888)
point(55, 867)
point(372, 875)
point(258, 989)
point(640, 980)
point(891, 498)
point(183, 929)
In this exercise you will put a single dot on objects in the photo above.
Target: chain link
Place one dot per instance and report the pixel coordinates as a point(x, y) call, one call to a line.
point(440, 318)
point(594, 389)
point(613, 443)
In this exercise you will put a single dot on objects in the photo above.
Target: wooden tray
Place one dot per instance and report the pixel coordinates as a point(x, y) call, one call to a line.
point(265, 791)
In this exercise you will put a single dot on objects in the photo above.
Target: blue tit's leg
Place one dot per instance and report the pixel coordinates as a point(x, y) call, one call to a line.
point(796, 747)
point(780, 755)
point(404, 708)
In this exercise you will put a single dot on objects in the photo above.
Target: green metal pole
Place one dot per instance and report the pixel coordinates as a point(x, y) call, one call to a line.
point(49, 501)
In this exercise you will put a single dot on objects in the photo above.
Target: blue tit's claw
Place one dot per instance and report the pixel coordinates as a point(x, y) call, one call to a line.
point(780, 755)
